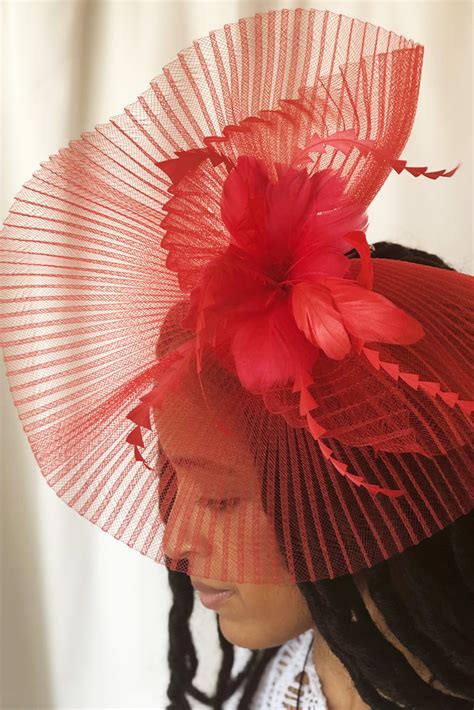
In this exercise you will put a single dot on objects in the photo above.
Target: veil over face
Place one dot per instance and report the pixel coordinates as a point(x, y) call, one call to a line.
point(333, 394)
point(211, 492)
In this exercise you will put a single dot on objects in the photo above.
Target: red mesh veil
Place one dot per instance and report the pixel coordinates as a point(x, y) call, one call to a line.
point(198, 366)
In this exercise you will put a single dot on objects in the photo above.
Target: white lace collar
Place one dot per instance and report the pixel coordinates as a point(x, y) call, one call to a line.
point(278, 687)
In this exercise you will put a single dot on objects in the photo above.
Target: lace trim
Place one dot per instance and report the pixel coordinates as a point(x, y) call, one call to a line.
point(278, 687)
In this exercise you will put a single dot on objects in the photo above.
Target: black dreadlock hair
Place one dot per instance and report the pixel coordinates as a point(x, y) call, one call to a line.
point(425, 595)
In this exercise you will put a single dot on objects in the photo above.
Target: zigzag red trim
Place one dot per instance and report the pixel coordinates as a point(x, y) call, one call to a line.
point(400, 165)
point(432, 389)
point(307, 403)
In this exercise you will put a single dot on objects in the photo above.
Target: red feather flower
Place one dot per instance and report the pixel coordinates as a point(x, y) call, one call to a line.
point(278, 295)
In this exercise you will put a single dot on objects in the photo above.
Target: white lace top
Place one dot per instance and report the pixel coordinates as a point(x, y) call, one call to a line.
point(278, 687)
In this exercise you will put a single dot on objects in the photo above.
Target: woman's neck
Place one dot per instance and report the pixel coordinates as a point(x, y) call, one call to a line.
point(336, 683)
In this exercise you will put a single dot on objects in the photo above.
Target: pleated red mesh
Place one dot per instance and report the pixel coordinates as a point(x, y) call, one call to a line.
point(100, 252)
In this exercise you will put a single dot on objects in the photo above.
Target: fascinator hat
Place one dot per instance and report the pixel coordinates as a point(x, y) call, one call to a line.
point(207, 360)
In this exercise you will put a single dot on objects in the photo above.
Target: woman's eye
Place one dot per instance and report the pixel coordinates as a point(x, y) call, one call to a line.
point(224, 504)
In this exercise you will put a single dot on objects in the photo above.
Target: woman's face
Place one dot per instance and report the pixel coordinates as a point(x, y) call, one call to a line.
point(255, 616)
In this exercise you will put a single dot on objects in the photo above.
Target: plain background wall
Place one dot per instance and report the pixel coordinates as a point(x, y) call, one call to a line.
point(84, 618)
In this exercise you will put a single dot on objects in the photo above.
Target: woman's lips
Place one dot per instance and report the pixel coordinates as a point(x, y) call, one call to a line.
point(213, 600)
point(211, 597)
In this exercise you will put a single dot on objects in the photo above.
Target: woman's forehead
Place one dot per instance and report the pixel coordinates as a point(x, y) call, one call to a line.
point(203, 437)
point(198, 429)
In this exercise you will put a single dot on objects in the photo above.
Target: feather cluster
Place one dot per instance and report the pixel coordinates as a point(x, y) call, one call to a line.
point(278, 297)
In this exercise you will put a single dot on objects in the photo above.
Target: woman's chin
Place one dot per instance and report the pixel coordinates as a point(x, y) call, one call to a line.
point(254, 636)
point(239, 635)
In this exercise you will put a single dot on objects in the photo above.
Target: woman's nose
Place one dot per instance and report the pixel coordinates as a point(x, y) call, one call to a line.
point(184, 534)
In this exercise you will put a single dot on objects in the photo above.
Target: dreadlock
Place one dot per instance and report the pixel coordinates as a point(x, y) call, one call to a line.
point(420, 618)
point(424, 594)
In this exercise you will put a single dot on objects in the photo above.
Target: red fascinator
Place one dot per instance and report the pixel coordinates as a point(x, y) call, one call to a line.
point(200, 368)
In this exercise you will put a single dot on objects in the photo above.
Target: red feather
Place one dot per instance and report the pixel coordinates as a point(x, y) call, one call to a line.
point(269, 350)
point(372, 317)
point(316, 315)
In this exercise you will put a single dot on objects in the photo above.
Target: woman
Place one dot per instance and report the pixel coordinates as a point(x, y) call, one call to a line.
point(328, 395)
point(400, 634)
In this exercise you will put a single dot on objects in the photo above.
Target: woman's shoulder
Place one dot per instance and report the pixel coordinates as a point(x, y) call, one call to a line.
point(280, 682)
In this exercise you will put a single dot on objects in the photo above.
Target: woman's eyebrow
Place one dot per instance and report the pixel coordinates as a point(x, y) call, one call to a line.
point(236, 482)
point(222, 479)
point(199, 462)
